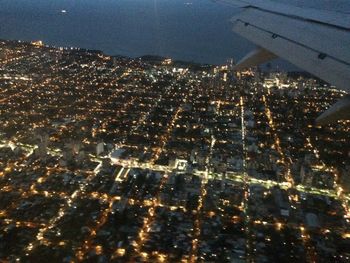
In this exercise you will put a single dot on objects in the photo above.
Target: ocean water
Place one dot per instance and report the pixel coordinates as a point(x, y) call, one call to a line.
point(191, 30)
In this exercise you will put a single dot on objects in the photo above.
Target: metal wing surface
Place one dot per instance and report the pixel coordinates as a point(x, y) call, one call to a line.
point(317, 41)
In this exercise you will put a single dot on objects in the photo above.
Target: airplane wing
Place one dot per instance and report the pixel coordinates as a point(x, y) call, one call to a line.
point(315, 40)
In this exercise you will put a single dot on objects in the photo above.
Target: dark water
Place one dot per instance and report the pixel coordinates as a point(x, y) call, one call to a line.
point(193, 30)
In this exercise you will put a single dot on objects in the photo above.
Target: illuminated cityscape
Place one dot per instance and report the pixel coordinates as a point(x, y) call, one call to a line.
point(113, 159)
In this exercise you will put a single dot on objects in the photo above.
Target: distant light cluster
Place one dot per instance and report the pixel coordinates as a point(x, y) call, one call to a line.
point(153, 160)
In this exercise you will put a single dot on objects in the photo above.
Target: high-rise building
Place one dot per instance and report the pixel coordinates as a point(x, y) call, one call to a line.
point(100, 148)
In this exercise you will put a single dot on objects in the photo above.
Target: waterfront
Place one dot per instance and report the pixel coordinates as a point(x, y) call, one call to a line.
point(194, 30)
point(199, 31)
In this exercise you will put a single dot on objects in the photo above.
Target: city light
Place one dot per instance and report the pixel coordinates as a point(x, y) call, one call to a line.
point(117, 159)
